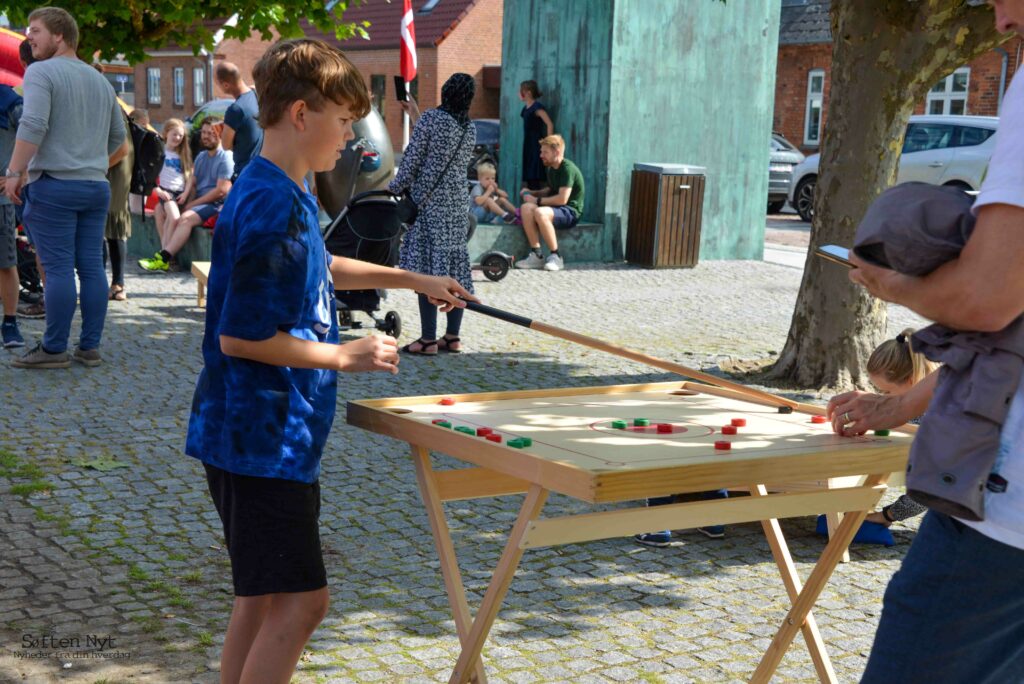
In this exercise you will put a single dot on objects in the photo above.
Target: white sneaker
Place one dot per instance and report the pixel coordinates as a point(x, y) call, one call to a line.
point(532, 261)
point(554, 263)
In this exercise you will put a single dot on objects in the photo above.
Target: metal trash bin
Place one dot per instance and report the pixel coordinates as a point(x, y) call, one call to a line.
point(665, 203)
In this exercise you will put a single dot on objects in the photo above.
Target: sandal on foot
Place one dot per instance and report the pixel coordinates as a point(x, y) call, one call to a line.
point(445, 344)
point(117, 293)
point(424, 347)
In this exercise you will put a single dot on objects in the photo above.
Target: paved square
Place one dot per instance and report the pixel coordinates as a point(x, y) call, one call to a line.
point(107, 531)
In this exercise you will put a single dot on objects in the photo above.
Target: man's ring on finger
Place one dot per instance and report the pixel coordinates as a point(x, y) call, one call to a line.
point(846, 417)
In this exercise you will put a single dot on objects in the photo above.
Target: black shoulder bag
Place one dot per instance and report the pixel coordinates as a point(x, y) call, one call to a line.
point(406, 208)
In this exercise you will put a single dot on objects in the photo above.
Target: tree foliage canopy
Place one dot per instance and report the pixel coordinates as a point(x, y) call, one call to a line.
point(128, 28)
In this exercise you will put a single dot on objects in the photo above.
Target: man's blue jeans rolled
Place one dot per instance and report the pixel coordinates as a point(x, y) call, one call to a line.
point(953, 613)
point(66, 219)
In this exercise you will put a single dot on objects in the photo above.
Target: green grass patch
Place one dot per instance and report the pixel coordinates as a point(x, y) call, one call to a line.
point(180, 602)
point(177, 556)
point(12, 466)
point(137, 574)
point(193, 577)
point(8, 464)
point(149, 624)
point(159, 585)
point(29, 488)
point(205, 639)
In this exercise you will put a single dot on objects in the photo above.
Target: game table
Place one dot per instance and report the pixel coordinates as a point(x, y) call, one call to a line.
point(593, 444)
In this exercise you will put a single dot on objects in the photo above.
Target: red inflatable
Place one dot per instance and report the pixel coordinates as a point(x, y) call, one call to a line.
point(10, 66)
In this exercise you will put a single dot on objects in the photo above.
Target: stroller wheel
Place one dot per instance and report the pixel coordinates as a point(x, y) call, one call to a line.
point(495, 266)
point(392, 324)
point(344, 317)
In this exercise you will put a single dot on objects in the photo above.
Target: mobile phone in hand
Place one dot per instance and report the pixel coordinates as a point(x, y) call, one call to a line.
point(400, 91)
point(835, 253)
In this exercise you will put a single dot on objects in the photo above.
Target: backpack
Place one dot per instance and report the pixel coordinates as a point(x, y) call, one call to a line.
point(149, 158)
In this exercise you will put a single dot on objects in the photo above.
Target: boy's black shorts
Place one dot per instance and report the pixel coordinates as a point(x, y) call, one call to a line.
point(272, 530)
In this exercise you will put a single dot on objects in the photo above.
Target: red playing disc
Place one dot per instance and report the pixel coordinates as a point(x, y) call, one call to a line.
point(728, 429)
point(739, 422)
point(664, 427)
point(494, 438)
point(447, 401)
point(483, 432)
point(819, 419)
point(723, 446)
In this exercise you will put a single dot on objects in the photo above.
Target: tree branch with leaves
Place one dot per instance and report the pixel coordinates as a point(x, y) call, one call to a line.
point(111, 29)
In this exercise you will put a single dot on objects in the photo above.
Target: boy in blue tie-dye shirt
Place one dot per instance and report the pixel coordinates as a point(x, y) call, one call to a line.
point(266, 397)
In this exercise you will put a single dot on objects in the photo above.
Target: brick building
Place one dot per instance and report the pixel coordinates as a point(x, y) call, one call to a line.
point(805, 58)
point(174, 82)
point(451, 36)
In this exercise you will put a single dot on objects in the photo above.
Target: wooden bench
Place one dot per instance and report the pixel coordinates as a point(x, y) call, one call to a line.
point(201, 270)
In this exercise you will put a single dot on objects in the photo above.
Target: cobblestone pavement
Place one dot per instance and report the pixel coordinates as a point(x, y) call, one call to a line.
point(106, 529)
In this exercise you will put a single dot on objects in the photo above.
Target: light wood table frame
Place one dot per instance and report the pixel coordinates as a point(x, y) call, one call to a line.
point(201, 271)
point(501, 470)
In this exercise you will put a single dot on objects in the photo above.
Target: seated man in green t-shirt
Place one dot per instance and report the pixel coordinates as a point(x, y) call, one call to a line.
point(557, 206)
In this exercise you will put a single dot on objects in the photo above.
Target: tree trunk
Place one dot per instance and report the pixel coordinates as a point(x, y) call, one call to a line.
point(886, 55)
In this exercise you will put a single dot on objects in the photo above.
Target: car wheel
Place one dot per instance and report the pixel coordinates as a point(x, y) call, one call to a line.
point(776, 207)
point(960, 185)
point(804, 198)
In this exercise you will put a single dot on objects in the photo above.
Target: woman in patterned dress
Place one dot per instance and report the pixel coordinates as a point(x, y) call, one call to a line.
point(436, 242)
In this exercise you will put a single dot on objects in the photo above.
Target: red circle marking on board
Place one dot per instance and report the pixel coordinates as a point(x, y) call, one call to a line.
point(723, 446)
point(728, 429)
point(654, 430)
point(739, 422)
point(819, 419)
point(447, 401)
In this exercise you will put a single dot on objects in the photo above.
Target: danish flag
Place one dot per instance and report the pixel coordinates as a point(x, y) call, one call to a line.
point(408, 54)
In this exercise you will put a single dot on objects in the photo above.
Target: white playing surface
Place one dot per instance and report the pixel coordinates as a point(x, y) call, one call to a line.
point(577, 429)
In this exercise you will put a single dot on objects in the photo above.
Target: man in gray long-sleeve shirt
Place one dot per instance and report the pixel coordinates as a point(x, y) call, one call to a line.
point(70, 126)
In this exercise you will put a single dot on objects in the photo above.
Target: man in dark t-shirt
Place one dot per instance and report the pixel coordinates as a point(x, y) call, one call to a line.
point(242, 134)
point(557, 206)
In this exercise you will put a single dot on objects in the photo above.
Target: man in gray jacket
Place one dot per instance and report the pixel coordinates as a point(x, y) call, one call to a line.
point(955, 610)
point(70, 127)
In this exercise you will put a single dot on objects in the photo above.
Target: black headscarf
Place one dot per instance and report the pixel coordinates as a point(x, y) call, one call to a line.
point(456, 96)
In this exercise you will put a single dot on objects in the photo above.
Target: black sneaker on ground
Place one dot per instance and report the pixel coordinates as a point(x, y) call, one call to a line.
point(12, 336)
point(656, 539)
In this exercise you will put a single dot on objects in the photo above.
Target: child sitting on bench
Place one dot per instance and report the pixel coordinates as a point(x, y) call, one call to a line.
point(487, 202)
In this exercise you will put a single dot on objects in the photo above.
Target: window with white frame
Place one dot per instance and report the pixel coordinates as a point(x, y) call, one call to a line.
point(179, 86)
point(812, 113)
point(153, 85)
point(198, 86)
point(949, 96)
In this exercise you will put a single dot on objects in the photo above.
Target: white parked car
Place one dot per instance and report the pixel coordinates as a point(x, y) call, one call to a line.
point(938, 149)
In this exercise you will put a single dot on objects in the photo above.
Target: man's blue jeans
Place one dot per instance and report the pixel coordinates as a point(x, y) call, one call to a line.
point(954, 613)
point(66, 219)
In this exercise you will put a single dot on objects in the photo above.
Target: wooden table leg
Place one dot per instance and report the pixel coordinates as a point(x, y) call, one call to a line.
point(445, 552)
point(500, 581)
point(832, 521)
point(780, 550)
point(823, 569)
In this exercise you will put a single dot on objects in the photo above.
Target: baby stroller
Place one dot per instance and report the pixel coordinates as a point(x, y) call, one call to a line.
point(28, 272)
point(369, 230)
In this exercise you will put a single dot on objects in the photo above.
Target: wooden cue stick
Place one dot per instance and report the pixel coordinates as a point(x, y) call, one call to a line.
point(626, 353)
